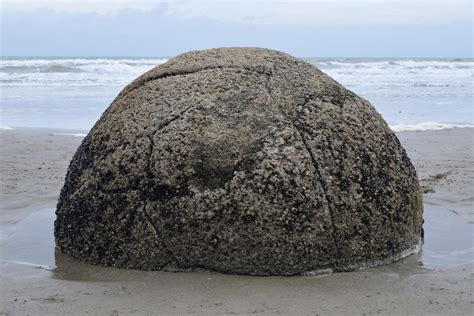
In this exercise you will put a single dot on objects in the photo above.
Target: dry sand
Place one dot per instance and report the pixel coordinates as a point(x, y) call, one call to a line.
point(33, 165)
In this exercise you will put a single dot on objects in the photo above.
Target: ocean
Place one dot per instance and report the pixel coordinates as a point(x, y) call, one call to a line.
point(72, 93)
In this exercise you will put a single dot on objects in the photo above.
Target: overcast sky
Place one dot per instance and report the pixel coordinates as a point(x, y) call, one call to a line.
point(346, 28)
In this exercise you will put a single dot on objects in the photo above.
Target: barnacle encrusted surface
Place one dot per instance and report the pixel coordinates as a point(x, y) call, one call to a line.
point(240, 160)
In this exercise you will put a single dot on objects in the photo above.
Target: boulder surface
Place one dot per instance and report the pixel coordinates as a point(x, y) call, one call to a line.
point(240, 160)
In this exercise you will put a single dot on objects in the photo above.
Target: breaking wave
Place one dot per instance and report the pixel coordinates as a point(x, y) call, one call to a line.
point(403, 90)
point(426, 126)
point(73, 71)
point(71, 134)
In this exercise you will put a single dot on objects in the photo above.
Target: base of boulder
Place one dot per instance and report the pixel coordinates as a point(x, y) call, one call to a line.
point(414, 249)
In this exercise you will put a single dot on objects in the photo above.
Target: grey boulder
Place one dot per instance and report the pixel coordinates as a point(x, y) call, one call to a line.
point(240, 160)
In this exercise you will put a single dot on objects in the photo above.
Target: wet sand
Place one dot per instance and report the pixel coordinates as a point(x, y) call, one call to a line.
point(36, 281)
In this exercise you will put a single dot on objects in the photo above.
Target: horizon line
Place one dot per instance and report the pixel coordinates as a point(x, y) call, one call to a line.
point(168, 57)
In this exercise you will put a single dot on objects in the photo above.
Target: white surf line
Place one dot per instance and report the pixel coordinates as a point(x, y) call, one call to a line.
point(427, 126)
point(71, 134)
point(35, 265)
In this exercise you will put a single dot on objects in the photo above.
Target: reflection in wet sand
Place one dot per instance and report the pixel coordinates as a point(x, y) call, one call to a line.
point(448, 243)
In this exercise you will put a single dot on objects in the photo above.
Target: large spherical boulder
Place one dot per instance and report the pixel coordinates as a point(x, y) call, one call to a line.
point(240, 160)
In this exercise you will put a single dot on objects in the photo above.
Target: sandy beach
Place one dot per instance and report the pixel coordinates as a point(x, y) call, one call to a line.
point(436, 281)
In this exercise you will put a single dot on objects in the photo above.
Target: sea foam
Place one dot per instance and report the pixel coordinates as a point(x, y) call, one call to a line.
point(425, 126)
point(71, 134)
point(71, 93)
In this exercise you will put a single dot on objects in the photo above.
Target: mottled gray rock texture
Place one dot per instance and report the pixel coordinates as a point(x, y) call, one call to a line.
point(240, 160)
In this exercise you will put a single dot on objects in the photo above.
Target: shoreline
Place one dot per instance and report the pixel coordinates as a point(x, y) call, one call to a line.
point(33, 166)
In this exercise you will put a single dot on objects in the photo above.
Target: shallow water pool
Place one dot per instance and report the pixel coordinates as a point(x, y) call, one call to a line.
point(448, 243)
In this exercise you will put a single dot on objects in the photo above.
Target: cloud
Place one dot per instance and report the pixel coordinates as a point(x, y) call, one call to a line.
point(274, 12)
point(162, 31)
point(329, 13)
point(105, 7)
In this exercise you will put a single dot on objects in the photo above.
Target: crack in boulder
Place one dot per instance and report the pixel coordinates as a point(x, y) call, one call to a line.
point(143, 81)
point(323, 186)
point(150, 177)
point(158, 238)
point(314, 163)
